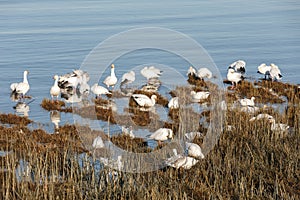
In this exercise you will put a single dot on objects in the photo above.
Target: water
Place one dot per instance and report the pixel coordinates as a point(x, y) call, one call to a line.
point(54, 37)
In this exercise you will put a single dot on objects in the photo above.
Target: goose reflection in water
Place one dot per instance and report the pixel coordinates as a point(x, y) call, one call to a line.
point(55, 119)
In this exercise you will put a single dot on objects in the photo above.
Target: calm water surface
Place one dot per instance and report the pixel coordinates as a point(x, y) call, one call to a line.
point(54, 37)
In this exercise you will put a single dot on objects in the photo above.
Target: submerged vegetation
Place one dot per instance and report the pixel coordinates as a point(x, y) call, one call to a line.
point(250, 160)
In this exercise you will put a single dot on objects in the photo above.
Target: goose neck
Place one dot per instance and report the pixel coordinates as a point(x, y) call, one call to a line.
point(25, 78)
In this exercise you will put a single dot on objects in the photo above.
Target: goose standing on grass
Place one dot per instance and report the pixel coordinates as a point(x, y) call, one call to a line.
point(234, 77)
point(112, 79)
point(21, 88)
point(238, 66)
point(247, 102)
point(199, 96)
point(191, 71)
point(162, 134)
point(173, 103)
point(275, 73)
point(98, 90)
point(204, 73)
point(181, 161)
point(55, 90)
point(128, 78)
point(143, 100)
point(264, 69)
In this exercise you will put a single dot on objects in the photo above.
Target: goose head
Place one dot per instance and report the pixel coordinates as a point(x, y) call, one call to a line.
point(55, 77)
point(112, 66)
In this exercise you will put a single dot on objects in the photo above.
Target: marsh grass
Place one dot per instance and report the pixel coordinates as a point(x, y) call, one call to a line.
point(249, 161)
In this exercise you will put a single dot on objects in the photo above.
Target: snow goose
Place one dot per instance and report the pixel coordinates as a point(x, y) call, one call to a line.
point(191, 135)
point(234, 77)
point(250, 109)
point(98, 143)
point(21, 88)
point(150, 72)
point(128, 78)
point(191, 71)
point(238, 66)
point(275, 73)
point(181, 161)
point(128, 131)
point(264, 69)
point(198, 96)
point(194, 150)
point(143, 100)
point(162, 134)
point(261, 116)
point(55, 90)
point(204, 73)
point(173, 103)
point(247, 102)
point(279, 127)
point(98, 90)
point(112, 79)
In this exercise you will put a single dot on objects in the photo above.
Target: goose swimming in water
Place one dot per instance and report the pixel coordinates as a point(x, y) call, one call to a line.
point(112, 79)
point(143, 100)
point(55, 90)
point(21, 88)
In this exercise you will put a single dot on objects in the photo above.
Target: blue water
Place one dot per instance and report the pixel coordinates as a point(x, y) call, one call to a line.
point(54, 37)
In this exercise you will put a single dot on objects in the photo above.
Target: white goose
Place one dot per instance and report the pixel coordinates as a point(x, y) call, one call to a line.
point(264, 69)
point(21, 88)
point(191, 71)
point(55, 90)
point(162, 134)
point(98, 143)
point(98, 90)
point(275, 73)
point(261, 116)
point(174, 103)
point(198, 96)
point(112, 79)
point(238, 66)
point(150, 72)
point(181, 161)
point(247, 102)
point(143, 100)
point(278, 127)
point(128, 78)
point(194, 150)
point(204, 73)
point(234, 77)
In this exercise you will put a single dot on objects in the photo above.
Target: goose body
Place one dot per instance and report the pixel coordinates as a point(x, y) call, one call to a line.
point(275, 73)
point(162, 134)
point(264, 69)
point(247, 102)
point(150, 72)
point(22, 87)
point(261, 116)
point(174, 103)
point(128, 131)
point(279, 127)
point(98, 90)
point(98, 143)
point(112, 79)
point(194, 150)
point(181, 161)
point(143, 100)
point(238, 66)
point(55, 90)
point(234, 77)
point(128, 77)
point(198, 96)
point(204, 73)
point(191, 71)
